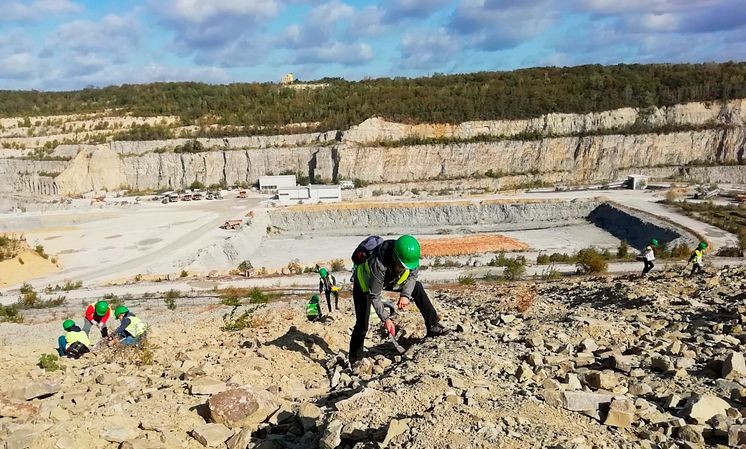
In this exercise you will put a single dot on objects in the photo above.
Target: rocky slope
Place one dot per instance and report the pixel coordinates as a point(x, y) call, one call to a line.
point(615, 362)
point(589, 152)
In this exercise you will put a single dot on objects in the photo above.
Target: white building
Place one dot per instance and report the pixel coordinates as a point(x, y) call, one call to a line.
point(273, 183)
point(312, 194)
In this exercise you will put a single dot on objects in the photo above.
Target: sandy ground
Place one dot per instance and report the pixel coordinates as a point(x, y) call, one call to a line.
point(12, 271)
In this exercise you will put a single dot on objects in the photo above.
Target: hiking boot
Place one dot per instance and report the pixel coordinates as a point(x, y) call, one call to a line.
point(437, 330)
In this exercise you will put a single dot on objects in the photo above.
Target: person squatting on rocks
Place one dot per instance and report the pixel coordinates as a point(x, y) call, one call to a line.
point(74, 343)
point(97, 315)
point(313, 309)
point(328, 286)
point(696, 259)
point(131, 329)
point(388, 265)
point(648, 256)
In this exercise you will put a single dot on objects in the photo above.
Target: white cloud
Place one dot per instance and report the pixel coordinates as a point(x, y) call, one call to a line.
point(17, 66)
point(336, 53)
point(114, 34)
point(24, 11)
point(203, 11)
point(427, 49)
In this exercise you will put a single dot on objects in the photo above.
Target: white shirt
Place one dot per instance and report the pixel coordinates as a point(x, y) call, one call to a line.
point(649, 254)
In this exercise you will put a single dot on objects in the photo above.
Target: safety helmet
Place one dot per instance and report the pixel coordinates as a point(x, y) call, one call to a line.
point(315, 299)
point(407, 251)
point(67, 324)
point(101, 308)
point(120, 310)
point(654, 242)
point(323, 272)
point(702, 245)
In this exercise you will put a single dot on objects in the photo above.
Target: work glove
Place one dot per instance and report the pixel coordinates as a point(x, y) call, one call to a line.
point(390, 327)
point(403, 301)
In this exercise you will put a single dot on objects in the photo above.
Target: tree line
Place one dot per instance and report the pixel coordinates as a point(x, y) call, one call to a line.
point(265, 107)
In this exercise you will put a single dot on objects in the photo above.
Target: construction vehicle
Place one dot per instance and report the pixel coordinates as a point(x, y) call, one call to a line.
point(242, 194)
point(173, 197)
point(232, 224)
point(196, 196)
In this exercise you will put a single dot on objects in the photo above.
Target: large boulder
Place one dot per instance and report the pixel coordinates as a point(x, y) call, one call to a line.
point(701, 408)
point(212, 435)
point(242, 407)
point(206, 386)
point(734, 366)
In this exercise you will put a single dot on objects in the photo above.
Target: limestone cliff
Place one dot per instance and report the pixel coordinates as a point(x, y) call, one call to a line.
point(721, 141)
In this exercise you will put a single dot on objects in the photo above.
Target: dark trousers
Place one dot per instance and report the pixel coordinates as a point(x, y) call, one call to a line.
point(648, 266)
point(696, 268)
point(329, 294)
point(362, 315)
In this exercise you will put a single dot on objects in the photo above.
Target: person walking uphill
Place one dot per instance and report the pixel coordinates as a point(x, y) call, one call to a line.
point(696, 259)
point(97, 315)
point(328, 286)
point(389, 265)
point(648, 256)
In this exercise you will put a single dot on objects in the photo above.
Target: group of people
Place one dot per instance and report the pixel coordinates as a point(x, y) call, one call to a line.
point(76, 341)
point(648, 256)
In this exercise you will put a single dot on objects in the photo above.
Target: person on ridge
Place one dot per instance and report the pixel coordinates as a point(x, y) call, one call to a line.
point(74, 343)
point(98, 315)
point(131, 328)
point(392, 266)
point(328, 286)
point(313, 309)
point(648, 256)
point(696, 259)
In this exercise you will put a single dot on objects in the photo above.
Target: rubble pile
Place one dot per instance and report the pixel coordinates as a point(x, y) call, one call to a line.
point(608, 362)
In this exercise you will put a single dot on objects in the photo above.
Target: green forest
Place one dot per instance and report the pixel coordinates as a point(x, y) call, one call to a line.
point(436, 99)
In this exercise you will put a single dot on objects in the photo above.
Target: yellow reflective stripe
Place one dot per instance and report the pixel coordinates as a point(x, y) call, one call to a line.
point(403, 278)
point(80, 336)
point(136, 327)
point(363, 274)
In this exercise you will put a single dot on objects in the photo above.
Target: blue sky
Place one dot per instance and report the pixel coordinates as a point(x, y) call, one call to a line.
point(69, 44)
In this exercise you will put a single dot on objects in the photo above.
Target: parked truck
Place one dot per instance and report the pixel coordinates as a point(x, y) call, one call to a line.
point(232, 224)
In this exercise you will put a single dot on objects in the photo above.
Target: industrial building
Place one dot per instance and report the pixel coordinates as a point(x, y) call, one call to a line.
point(273, 183)
point(310, 194)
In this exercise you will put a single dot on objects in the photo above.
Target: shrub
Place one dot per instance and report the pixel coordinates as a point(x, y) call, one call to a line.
point(245, 265)
point(514, 271)
point(48, 362)
point(235, 322)
point(466, 280)
point(170, 299)
point(294, 267)
point(40, 251)
point(113, 300)
point(591, 261)
point(622, 250)
point(338, 264)
point(9, 314)
point(183, 274)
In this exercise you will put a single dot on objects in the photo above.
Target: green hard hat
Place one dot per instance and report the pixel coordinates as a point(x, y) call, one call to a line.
point(120, 310)
point(654, 242)
point(407, 251)
point(702, 245)
point(315, 298)
point(67, 324)
point(323, 272)
point(101, 308)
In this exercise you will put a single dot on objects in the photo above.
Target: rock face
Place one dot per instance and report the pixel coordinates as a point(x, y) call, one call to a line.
point(242, 407)
point(353, 154)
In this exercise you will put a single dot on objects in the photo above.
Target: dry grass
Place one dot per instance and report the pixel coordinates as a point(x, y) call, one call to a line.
point(525, 297)
point(476, 244)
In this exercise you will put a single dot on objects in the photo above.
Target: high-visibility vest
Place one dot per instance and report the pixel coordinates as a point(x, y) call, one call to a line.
point(136, 327)
point(78, 336)
point(312, 310)
point(364, 274)
point(698, 256)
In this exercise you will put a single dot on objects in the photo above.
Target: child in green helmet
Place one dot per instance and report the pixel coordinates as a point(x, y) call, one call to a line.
point(131, 329)
point(696, 259)
point(313, 309)
point(328, 286)
point(97, 314)
point(74, 343)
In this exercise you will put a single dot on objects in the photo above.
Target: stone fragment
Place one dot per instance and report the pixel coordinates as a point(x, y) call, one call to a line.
point(662, 363)
point(701, 408)
point(736, 435)
point(211, 434)
point(588, 345)
point(534, 341)
point(355, 431)
point(691, 433)
point(40, 390)
point(640, 389)
point(332, 435)
point(601, 380)
point(309, 414)
point(242, 407)
point(241, 440)
point(119, 434)
point(456, 382)
point(734, 366)
point(396, 428)
point(621, 413)
point(580, 401)
point(206, 386)
point(524, 372)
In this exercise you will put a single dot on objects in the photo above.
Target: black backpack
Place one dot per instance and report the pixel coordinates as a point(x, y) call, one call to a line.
point(365, 249)
point(76, 350)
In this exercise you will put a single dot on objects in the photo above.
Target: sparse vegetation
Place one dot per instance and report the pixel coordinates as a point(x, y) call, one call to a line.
point(9, 314)
point(183, 274)
point(170, 299)
point(40, 251)
point(467, 280)
point(731, 218)
point(622, 251)
point(235, 320)
point(590, 261)
point(337, 264)
point(49, 362)
point(9, 246)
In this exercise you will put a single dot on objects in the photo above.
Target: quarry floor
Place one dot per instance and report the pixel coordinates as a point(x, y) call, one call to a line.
point(100, 244)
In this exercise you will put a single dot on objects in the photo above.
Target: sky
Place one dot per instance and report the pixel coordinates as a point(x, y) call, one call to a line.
point(72, 44)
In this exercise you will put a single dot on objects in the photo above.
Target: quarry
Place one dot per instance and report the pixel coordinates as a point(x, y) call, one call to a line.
point(547, 355)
